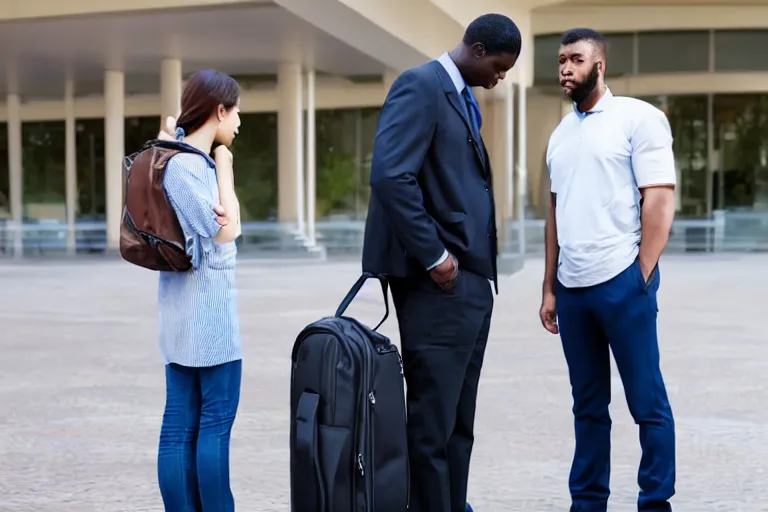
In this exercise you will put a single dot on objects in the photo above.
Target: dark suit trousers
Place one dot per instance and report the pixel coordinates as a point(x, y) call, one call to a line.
point(619, 315)
point(443, 337)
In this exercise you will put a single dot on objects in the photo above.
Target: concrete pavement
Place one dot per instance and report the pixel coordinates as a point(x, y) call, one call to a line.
point(82, 387)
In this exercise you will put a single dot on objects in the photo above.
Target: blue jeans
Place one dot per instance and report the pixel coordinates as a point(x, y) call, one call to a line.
point(193, 456)
point(618, 315)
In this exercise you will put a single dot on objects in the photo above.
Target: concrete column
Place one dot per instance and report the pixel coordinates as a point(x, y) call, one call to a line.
point(290, 157)
point(114, 152)
point(70, 161)
point(311, 159)
point(170, 88)
point(522, 163)
point(549, 112)
point(509, 164)
point(498, 135)
point(15, 170)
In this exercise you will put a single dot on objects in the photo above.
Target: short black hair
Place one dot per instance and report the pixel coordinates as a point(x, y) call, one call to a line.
point(496, 32)
point(586, 34)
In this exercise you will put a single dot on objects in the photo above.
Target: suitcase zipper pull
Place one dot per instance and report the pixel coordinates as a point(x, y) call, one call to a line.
point(360, 464)
point(372, 398)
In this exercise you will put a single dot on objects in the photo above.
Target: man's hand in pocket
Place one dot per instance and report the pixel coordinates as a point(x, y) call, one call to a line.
point(446, 273)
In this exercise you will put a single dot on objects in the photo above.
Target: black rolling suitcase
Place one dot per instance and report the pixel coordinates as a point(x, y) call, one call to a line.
point(349, 451)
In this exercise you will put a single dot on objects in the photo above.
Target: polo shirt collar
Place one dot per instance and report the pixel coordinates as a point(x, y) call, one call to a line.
point(601, 105)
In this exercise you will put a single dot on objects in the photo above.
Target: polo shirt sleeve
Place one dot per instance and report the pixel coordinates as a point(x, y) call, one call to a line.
point(653, 161)
point(189, 195)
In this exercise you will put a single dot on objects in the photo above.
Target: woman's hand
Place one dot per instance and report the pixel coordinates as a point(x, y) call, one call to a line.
point(225, 176)
point(224, 171)
point(168, 130)
point(222, 152)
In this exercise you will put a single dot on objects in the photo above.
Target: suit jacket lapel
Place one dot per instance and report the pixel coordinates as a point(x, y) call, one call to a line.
point(457, 102)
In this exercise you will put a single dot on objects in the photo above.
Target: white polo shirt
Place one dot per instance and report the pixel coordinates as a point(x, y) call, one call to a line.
point(596, 161)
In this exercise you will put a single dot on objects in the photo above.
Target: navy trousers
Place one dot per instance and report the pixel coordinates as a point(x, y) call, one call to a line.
point(619, 315)
point(443, 335)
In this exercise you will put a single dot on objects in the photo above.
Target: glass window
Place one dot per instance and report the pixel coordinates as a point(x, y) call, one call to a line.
point(369, 124)
point(545, 59)
point(669, 52)
point(255, 156)
point(5, 189)
point(43, 164)
point(741, 50)
point(688, 121)
point(344, 149)
point(621, 54)
point(741, 149)
point(138, 130)
point(91, 185)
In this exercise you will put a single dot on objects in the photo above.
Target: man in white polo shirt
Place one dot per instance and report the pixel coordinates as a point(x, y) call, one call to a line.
point(612, 175)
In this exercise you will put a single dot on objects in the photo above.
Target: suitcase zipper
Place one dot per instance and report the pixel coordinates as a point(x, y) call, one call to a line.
point(407, 457)
point(360, 465)
point(368, 442)
point(387, 350)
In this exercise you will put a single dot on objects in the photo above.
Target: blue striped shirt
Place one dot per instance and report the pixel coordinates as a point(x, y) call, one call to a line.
point(198, 318)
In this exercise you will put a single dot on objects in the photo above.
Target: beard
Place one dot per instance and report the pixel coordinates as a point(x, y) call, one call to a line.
point(583, 89)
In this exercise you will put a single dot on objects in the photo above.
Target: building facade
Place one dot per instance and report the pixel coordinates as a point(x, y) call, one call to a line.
point(94, 83)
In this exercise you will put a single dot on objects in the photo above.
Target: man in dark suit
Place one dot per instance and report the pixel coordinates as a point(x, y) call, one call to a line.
point(431, 229)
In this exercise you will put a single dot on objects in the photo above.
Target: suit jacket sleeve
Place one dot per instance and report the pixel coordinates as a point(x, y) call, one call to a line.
point(406, 126)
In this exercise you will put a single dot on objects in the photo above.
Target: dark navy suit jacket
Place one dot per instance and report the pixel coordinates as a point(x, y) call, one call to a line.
point(430, 182)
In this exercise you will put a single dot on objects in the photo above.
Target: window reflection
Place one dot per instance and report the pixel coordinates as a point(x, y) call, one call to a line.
point(138, 130)
point(344, 149)
point(688, 121)
point(731, 50)
point(91, 187)
point(741, 151)
point(43, 164)
point(255, 155)
point(691, 51)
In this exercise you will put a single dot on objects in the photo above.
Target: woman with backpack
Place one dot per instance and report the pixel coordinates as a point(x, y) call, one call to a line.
point(199, 327)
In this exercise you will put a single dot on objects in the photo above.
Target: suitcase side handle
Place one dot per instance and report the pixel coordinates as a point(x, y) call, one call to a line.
point(356, 289)
point(307, 449)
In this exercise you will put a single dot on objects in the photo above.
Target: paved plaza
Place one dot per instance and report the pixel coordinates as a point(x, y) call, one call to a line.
point(82, 387)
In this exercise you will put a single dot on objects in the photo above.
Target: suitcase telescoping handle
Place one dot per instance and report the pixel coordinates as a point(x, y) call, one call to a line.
point(356, 289)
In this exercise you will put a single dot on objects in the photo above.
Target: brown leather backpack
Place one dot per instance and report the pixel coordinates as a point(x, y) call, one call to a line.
point(150, 233)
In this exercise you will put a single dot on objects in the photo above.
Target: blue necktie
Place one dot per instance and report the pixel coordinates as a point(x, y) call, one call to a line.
point(473, 109)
